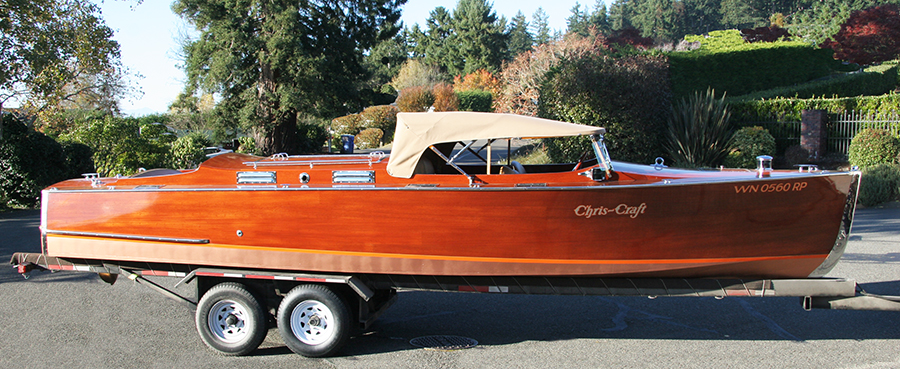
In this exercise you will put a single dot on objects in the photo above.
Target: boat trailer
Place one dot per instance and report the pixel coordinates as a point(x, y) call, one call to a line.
point(815, 293)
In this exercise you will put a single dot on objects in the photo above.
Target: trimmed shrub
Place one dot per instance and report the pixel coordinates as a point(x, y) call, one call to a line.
point(873, 81)
point(879, 184)
point(475, 100)
point(187, 152)
point(369, 138)
point(698, 131)
point(748, 143)
point(415, 99)
point(444, 98)
point(383, 117)
point(874, 146)
point(347, 125)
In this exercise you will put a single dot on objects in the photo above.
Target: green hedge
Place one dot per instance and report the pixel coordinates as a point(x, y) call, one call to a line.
point(475, 100)
point(784, 109)
point(739, 68)
point(876, 80)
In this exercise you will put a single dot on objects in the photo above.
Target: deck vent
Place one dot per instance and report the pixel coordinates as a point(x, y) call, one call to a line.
point(256, 177)
point(443, 343)
point(353, 176)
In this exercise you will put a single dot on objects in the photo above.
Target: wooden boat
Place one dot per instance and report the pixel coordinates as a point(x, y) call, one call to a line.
point(418, 211)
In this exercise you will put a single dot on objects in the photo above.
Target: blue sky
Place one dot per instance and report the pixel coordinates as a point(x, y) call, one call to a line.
point(148, 35)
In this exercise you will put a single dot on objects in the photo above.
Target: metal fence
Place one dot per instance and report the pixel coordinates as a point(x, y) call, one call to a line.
point(842, 127)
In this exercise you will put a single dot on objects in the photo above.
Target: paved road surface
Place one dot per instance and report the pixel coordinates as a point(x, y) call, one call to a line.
point(75, 320)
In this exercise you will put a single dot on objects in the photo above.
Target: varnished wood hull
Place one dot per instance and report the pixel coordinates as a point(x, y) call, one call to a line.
point(780, 227)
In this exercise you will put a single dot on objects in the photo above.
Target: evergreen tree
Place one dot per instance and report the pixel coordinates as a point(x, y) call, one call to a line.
point(520, 39)
point(272, 61)
point(540, 27)
point(580, 22)
point(480, 38)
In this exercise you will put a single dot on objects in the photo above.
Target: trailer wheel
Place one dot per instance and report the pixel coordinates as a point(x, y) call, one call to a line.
point(314, 321)
point(231, 320)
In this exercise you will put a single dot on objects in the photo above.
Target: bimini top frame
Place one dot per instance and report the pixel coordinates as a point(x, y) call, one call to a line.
point(417, 132)
point(597, 143)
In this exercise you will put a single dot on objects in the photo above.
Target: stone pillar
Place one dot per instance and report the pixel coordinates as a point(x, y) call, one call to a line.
point(813, 133)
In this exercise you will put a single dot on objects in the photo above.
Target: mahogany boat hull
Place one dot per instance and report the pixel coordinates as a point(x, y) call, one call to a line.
point(779, 227)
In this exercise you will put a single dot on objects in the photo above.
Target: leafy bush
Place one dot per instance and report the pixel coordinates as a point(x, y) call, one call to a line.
point(523, 78)
point(727, 64)
point(698, 131)
point(187, 152)
point(247, 146)
point(879, 183)
point(475, 100)
point(628, 95)
point(748, 143)
point(874, 146)
point(868, 36)
point(369, 138)
point(414, 73)
point(383, 117)
point(122, 145)
point(30, 161)
point(444, 98)
point(415, 99)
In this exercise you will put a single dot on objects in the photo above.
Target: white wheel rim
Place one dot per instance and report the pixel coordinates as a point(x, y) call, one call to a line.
point(312, 322)
point(228, 321)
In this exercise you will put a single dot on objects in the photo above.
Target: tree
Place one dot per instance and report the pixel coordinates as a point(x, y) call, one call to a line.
point(540, 27)
point(479, 37)
point(868, 36)
point(520, 39)
point(581, 22)
point(46, 46)
point(271, 61)
point(432, 45)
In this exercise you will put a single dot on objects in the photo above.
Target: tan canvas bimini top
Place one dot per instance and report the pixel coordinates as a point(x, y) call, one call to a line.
point(417, 131)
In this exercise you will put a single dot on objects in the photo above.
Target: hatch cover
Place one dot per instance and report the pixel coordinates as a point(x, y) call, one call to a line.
point(443, 343)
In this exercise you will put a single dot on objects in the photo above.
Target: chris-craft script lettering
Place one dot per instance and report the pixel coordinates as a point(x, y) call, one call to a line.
point(588, 211)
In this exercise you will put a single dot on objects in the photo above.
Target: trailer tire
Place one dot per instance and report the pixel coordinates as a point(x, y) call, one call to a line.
point(231, 320)
point(314, 321)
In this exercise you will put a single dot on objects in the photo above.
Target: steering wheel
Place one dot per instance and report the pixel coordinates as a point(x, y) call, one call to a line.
point(517, 166)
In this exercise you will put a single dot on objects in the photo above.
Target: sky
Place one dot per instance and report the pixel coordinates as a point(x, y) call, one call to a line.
point(149, 34)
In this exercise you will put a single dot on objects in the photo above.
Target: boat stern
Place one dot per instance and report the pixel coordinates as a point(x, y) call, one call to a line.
point(840, 243)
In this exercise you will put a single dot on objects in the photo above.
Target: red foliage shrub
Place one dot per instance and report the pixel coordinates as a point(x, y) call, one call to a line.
point(415, 99)
point(868, 36)
point(444, 98)
point(631, 37)
point(478, 80)
point(765, 34)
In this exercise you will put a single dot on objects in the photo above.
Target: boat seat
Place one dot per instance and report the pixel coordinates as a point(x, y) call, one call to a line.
point(514, 167)
point(424, 166)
